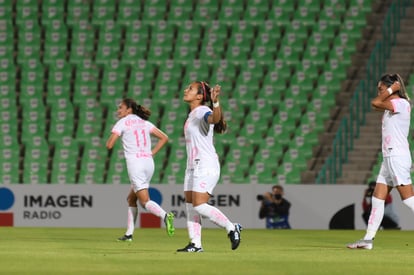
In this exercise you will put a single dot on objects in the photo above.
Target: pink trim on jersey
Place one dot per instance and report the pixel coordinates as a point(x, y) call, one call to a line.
point(143, 155)
point(393, 106)
point(116, 133)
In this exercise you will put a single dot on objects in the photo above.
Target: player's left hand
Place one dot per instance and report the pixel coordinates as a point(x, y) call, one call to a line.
point(215, 92)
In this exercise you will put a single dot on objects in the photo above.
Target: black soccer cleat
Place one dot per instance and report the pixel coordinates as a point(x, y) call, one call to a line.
point(190, 248)
point(235, 236)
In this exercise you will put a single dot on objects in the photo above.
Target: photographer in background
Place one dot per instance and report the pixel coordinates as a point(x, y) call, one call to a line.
point(390, 220)
point(275, 209)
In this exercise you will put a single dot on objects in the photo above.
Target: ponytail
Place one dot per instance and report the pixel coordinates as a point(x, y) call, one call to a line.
point(137, 109)
point(402, 92)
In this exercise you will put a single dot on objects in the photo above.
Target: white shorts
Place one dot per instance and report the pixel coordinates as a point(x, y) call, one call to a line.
point(395, 171)
point(203, 178)
point(140, 171)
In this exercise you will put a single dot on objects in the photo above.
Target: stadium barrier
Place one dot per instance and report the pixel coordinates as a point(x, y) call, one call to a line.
point(365, 91)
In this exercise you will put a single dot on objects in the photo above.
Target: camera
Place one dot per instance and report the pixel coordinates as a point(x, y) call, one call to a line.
point(277, 196)
point(259, 197)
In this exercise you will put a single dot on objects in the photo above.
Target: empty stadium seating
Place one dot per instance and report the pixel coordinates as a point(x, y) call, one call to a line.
point(280, 64)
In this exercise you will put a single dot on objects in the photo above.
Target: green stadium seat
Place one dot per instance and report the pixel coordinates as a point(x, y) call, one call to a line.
point(93, 161)
point(86, 82)
point(90, 121)
point(26, 10)
point(185, 49)
point(136, 39)
point(333, 15)
point(270, 150)
point(351, 29)
point(288, 174)
point(230, 13)
point(315, 120)
point(306, 13)
point(205, 11)
point(7, 80)
point(311, 5)
point(283, 127)
point(77, 11)
point(62, 121)
point(315, 55)
point(53, 52)
point(195, 71)
point(177, 162)
point(256, 12)
point(317, 39)
point(179, 13)
point(9, 172)
point(166, 81)
point(59, 75)
point(34, 120)
point(102, 12)
point(29, 45)
point(236, 172)
point(6, 9)
point(35, 164)
point(128, 12)
point(82, 43)
point(117, 172)
point(240, 42)
point(308, 132)
point(282, 13)
point(301, 87)
point(291, 55)
point(108, 43)
point(363, 6)
point(64, 161)
point(326, 29)
point(303, 146)
point(6, 47)
point(328, 82)
point(32, 78)
point(262, 172)
point(52, 12)
point(64, 171)
point(154, 11)
point(113, 83)
point(10, 150)
point(140, 80)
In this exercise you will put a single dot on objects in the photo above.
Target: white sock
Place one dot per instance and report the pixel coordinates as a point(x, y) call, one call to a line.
point(215, 215)
point(154, 208)
point(375, 218)
point(132, 218)
point(193, 225)
point(410, 203)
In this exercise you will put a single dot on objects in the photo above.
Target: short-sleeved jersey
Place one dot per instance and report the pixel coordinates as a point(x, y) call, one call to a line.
point(395, 129)
point(199, 137)
point(135, 135)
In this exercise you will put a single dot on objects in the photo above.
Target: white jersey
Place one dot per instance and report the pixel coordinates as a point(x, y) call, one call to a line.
point(199, 138)
point(395, 129)
point(135, 134)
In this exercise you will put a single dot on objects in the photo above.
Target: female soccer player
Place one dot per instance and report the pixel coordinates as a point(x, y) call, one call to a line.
point(203, 168)
point(134, 129)
point(393, 100)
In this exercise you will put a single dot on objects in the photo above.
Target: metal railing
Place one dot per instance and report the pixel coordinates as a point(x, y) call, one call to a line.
point(360, 103)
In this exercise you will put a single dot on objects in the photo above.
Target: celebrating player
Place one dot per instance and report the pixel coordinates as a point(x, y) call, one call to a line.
point(203, 167)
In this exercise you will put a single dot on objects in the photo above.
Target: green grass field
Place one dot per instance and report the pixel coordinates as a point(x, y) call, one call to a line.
point(96, 251)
